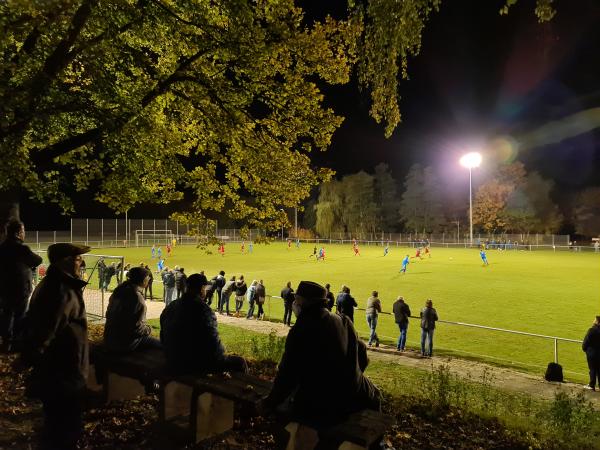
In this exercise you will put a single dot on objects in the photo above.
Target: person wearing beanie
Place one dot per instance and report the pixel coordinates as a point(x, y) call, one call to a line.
point(56, 346)
point(126, 329)
point(322, 348)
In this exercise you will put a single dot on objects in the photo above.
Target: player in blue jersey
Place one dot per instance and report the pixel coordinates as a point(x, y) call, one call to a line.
point(484, 258)
point(386, 249)
point(405, 263)
point(160, 265)
point(159, 252)
point(153, 250)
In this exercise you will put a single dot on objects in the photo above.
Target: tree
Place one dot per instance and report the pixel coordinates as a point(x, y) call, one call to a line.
point(329, 209)
point(142, 100)
point(359, 211)
point(538, 190)
point(421, 206)
point(386, 198)
point(587, 212)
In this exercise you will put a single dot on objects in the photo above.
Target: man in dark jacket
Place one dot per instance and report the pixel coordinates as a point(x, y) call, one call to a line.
point(322, 347)
point(288, 296)
point(345, 303)
point(330, 298)
point(240, 292)
point(188, 331)
point(101, 269)
point(219, 282)
point(17, 263)
point(180, 279)
point(56, 345)
point(401, 315)
point(126, 329)
point(428, 319)
point(591, 347)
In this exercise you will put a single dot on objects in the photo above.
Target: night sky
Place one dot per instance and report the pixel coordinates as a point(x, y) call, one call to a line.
point(480, 79)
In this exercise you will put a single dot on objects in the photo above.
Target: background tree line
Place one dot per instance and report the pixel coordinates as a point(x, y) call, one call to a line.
point(509, 200)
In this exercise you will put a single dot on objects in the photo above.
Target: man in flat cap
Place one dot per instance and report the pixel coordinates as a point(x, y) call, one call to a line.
point(323, 363)
point(17, 263)
point(126, 329)
point(56, 345)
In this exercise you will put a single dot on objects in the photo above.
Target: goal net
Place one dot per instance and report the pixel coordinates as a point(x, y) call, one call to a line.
point(145, 238)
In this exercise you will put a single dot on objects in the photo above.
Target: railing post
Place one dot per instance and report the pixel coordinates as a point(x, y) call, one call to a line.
point(556, 351)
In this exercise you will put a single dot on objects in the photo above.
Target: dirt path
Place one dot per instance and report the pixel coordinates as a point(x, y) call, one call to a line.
point(503, 378)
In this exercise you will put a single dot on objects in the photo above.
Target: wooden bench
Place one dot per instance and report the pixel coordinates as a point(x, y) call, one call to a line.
point(203, 406)
point(362, 430)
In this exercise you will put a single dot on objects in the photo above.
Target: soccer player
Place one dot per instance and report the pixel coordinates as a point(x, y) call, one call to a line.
point(405, 263)
point(243, 247)
point(159, 252)
point(160, 265)
point(427, 250)
point(289, 242)
point(297, 243)
point(356, 250)
point(484, 258)
point(250, 247)
point(153, 250)
point(418, 254)
point(386, 249)
point(222, 249)
point(168, 247)
point(314, 253)
point(321, 254)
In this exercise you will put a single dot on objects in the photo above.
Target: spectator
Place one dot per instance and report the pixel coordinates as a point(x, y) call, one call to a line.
point(148, 289)
point(188, 331)
point(17, 264)
point(226, 295)
point(591, 347)
point(210, 290)
point(180, 278)
point(109, 272)
point(401, 315)
point(168, 279)
point(240, 292)
point(288, 296)
point(101, 269)
point(345, 303)
point(373, 309)
point(322, 347)
point(126, 329)
point(251, 297)
point(428, 318)
point(219, 283)
point(261, 295)
point(56, 345)
point(329, 296)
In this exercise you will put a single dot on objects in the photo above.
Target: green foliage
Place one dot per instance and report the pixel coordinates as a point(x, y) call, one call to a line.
point(421, 206)
point(141, 100)
point(571, 417)
point(587, 212)
point(267, 348)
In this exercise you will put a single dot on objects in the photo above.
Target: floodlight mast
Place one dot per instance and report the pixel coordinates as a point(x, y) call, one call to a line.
point(470, 161)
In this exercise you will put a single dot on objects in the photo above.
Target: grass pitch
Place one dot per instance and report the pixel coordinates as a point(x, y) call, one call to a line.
point(541, 292)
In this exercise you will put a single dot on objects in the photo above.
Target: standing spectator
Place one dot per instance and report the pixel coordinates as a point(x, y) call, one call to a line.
point(373, 309)
point(591, 347)
point(148, 289)
point(401, 315)
point(109, 272)
point(101, 269)
point(83, 271)
point(251, 297)
point(428, 318)
point(346, 303)
point(261, 295)
point(56, 345)
point(330, 299)
point(17, 264)
point(219, 283)
point(319, 347)
point(210, 289)
point(126, 329)
point(288, 296)
point(168, 279)
point(188, 331)
point(180, 279)
point(240, 293)
point(226, 295)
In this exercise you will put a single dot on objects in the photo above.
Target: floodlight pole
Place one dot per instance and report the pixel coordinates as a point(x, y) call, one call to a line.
point(470, 206)
point(296, 221)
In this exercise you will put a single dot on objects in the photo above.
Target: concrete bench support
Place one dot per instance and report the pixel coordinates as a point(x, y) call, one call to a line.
point(210, 415)
point(119, 387)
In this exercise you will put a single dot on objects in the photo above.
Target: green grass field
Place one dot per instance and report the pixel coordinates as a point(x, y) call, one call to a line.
point(540, 292)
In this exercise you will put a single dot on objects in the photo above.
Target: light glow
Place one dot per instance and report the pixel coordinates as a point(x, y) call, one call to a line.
point(471, 160)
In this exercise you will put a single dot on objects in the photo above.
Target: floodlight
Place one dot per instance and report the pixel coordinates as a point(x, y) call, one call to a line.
point(471, 160)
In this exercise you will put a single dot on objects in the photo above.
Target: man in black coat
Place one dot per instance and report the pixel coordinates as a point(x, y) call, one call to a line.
point(126, 328)
point(345, 303)
point(56, 345)
point(188, 332)
point(17, 263)
point(322, 349)
point(401, 316)
point(591, 347)
point(288, 296)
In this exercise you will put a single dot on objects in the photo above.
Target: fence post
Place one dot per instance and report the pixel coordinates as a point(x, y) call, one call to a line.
point(556, 351)
point(37, 239)
point(102, 232)
point(71, 230)
point(116, 232)
point(55, 237)
point(87, 230)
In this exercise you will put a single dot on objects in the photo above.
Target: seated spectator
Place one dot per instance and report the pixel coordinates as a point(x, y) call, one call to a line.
point(126, 329)
point(188, 331)
point(321, 349)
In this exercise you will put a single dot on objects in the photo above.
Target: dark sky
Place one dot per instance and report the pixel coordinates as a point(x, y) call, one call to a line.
point(481, 76)
point(480, 79)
